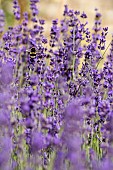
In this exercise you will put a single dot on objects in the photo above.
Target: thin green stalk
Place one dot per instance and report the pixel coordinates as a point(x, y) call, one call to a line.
point(103, 55)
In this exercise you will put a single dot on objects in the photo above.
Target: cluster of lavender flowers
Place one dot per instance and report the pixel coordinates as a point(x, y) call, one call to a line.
point(54, 113)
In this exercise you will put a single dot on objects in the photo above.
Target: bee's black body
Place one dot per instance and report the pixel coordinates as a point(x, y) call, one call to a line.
point(33, 52)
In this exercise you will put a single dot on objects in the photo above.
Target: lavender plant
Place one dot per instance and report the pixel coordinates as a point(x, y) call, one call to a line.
point(55, 116)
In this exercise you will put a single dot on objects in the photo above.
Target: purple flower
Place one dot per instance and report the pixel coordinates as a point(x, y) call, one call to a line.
point(16, 9)
point(83, 15)
point(2, 20)
point(6, 75)
point(38, 142)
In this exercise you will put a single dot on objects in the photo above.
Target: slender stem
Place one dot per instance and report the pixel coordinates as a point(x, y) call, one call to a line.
point(103, 55)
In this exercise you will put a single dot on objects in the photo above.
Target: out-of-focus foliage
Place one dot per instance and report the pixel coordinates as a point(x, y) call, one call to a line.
point(7, 6)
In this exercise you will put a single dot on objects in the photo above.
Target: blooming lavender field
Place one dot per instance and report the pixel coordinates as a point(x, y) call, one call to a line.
point(56, 98)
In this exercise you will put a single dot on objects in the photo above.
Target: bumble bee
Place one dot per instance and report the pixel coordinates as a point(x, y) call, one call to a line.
point(33, 52)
